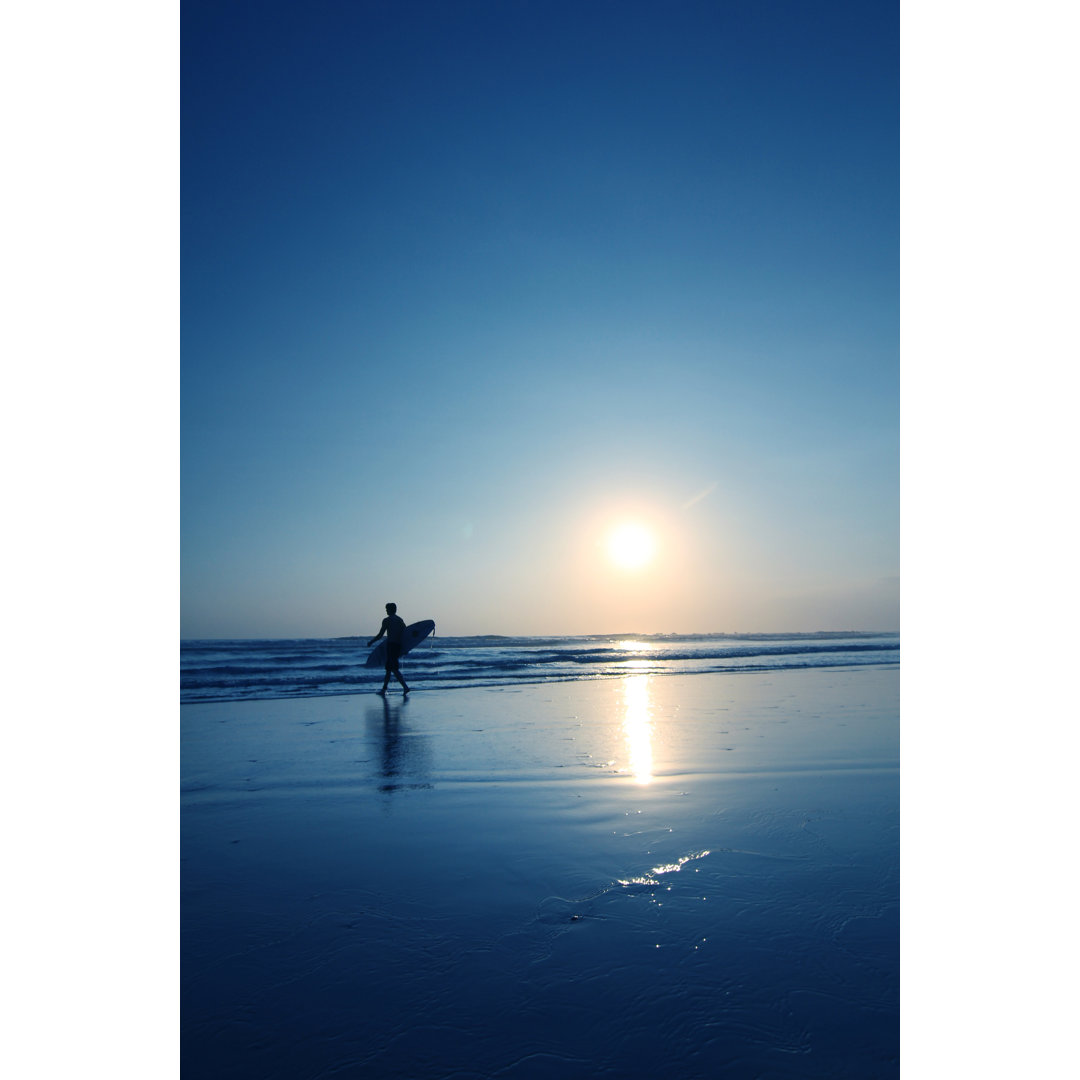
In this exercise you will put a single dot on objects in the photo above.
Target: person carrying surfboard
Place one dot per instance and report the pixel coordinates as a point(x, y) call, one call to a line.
point(393, 626)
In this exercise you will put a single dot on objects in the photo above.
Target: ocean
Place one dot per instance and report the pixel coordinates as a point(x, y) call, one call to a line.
point(326, 667)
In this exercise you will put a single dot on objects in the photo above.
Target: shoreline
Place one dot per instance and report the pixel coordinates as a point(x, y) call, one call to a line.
point(552, 680)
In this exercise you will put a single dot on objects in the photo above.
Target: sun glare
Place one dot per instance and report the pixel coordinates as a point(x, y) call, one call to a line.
point(631, 546)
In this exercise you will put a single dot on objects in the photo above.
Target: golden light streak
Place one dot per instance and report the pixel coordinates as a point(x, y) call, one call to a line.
point(637, 727)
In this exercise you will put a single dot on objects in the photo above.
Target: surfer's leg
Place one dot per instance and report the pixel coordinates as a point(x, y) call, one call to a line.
point(397, 675)
point(393, 666)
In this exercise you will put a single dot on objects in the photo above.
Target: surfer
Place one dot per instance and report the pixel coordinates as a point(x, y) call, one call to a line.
point(393, 626)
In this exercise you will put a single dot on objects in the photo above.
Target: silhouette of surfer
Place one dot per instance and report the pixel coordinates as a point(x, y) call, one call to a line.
point(393, 626)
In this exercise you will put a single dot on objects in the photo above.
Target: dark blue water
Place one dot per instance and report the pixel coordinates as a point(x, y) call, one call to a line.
point(678, 878)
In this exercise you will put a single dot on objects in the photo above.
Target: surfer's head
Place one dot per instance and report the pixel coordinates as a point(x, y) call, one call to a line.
point(391, 609)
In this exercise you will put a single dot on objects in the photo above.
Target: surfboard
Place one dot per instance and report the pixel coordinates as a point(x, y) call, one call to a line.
point(414, 634)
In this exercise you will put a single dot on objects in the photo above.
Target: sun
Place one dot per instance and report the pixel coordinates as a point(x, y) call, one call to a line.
point(631, 546)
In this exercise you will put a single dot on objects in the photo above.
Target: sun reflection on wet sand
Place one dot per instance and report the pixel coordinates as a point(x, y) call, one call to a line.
point(637, 726)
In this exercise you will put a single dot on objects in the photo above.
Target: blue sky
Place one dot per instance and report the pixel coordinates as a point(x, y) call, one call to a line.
point(464, 286)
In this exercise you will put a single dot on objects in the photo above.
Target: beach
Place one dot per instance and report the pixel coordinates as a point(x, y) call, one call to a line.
point(680, 875)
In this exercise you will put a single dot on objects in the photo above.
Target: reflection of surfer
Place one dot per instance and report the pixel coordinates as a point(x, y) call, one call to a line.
point(391, 747)
point(393, 626)
point(401, 758)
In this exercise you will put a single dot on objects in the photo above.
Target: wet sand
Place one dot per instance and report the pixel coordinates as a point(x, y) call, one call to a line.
point(693, 875)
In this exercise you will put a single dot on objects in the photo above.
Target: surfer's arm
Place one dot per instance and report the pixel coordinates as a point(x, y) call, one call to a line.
point(382, 630)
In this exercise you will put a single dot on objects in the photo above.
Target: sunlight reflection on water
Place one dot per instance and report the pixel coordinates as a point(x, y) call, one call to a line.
point(637, 726)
